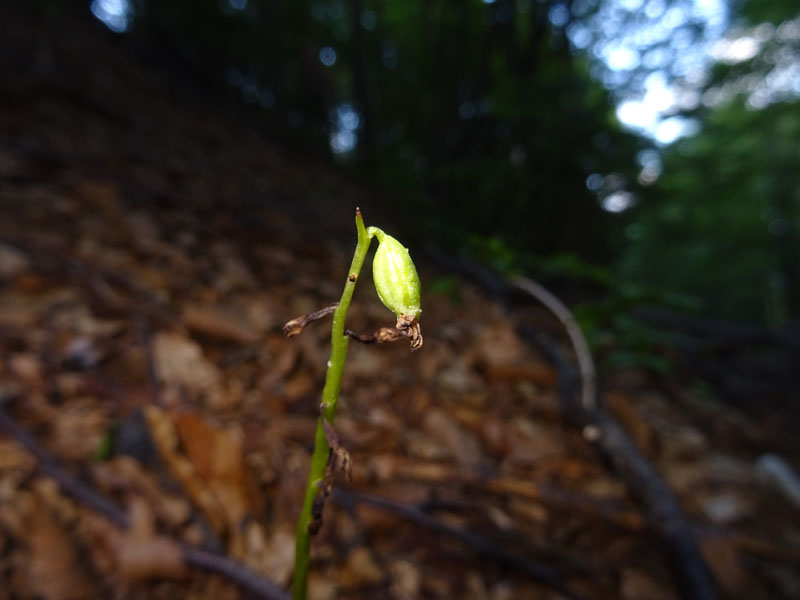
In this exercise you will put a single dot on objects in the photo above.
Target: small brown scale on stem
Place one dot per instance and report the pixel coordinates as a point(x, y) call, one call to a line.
point(338, 460)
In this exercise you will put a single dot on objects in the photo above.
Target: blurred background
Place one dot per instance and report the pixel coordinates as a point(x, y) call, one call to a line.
point(636, 146)
point(625, 151)
point(178, 179)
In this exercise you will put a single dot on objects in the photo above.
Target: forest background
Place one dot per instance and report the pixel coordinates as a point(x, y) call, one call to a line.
point(639, 149)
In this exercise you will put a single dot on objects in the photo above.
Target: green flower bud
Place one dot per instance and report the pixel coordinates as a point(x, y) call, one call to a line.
point(397, 284)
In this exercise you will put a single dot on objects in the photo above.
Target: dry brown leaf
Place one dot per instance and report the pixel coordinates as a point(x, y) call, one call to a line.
point(124, 473)
point(638, 585)
point(406, 579)
point(12, 456)
point(360, 570)
point(217, 455)
point(180, 361)
point(27, 367)
point(101, 195)
point(286, 355)
point(621, 405)
point(232, 272)
point(165, 439)
point(322, 587)
point(532, 372)
point(530, 442)
point(12, 262)
point(142, 553)
point(53, 569)
point(422, 446)
point(18, 311)
point(498, 344)
point(277, 557)
point(475, 588)
point(218, 322)
point(462, 444)
point(722, 555)
point(79, 429)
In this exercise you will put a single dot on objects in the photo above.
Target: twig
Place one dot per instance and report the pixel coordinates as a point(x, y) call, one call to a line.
point(661, 507)
point(382, 336)
point(146, 342)
point(244, 577)
point(194, 557)
point(480, 545)
point(69, 484)
point(663, 512)
point(296, 326)
point(502, 291)
point(579, 345)
point(555, 498)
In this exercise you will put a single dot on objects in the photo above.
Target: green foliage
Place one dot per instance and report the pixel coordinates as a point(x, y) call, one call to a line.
point(493, 252)
point(484, 115)
point(774, 11)
point(566, 264)
point(448, 286)
point(482, 106)
point(723, 221)
point(617, 339)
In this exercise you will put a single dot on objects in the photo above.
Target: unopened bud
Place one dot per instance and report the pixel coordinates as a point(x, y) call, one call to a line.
point(397, 283)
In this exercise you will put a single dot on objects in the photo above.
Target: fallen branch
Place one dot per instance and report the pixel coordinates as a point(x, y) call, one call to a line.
point(480, 545)
point(547, 495)
point(659, 504)
point(192, 556)
point(664, 514)
point(576, 337)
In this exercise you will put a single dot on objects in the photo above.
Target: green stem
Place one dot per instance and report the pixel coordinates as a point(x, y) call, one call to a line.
point(330, 397)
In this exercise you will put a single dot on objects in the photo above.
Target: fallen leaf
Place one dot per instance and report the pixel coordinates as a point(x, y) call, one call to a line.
point(180, 361)
point(722, 555)
point(638, 585)
point(406, 579)
point(278, 555)
point(217, 455)
point(125, 474)
point(142, 553)
point(621, 405)
point(79, 429)
point(53, 569)
point(360, 570)
point(12, 262)
point(462, 444)
point(219, 323)
point(165, 439)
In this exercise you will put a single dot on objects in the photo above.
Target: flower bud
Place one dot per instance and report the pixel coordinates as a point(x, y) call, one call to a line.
point(397, 284)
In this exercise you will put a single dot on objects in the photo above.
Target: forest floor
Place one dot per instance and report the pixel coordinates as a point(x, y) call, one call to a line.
point(150, 252)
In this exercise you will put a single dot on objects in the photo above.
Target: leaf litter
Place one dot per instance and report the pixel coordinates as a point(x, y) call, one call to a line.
point(129, 234)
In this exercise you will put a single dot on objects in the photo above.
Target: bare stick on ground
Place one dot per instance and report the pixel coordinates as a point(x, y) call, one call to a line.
point(663, 512)
point(576, 337)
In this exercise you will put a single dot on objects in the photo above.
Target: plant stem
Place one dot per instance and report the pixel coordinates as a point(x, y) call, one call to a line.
point(330, 397)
